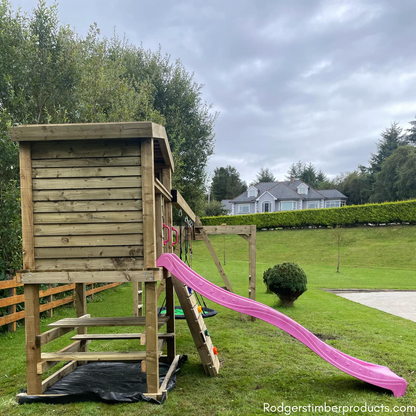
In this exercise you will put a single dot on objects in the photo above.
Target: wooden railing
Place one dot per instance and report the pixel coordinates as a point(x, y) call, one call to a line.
point(13, 299)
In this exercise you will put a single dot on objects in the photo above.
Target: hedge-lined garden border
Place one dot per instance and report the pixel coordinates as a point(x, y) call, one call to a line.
point(349, 215)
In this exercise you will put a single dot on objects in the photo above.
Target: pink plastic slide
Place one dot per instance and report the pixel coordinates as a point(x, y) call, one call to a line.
point(371, 373)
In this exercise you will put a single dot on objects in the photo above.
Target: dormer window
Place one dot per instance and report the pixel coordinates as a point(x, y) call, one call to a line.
point(252, 191)
point(302, 189)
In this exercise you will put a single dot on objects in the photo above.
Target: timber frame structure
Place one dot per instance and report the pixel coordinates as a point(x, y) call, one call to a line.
point(96, 199)
point(248, 232)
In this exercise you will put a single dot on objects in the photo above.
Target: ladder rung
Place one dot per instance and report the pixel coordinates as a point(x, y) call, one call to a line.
point(162, 335)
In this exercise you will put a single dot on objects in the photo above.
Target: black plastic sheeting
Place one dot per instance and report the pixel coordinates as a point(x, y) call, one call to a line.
point(108, 382)
point(206, 312)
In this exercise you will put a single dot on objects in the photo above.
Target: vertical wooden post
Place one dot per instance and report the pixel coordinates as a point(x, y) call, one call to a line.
point(11, 327)
point(27, 206)
point(159, 224)
point(148, 196)
point(50, 299)
point(32, 321)
point(167, 183)
point(152, 347)
point(252, 265)
point(81, 305)
point(149, 241)
point(32, 329)
point(170, 311)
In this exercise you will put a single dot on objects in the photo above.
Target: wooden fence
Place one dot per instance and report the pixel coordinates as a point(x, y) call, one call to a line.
point(13, 299)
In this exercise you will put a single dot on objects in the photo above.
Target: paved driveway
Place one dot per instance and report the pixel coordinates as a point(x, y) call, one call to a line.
point(400, 303)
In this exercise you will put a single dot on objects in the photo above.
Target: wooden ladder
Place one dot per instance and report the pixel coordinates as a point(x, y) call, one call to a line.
point(198, 328)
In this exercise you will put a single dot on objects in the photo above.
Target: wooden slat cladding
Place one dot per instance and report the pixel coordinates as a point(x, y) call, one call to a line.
point(87, 205)
point(91, 264)
point(92, 195)
point(88, 217)
point(86, 172)
point(89, 240)
point(89, 252)
point(88, 183)
point(87, 229)
point(84, 161)
point(85, 149)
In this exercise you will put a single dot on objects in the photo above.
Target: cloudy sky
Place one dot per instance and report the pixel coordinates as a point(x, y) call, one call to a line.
point(293, 80)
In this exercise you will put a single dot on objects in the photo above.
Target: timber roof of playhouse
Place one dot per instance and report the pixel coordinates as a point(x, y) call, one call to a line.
point(97, 131)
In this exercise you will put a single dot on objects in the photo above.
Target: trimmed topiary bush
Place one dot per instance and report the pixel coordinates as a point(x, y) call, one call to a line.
point(265, 276)
point(287, 280)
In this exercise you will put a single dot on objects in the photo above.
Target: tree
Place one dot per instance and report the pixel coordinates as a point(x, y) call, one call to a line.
point(264, 175)
point(411, 133)
point(189, 120)
point(391, 139)
point(396, 179)
point(337, 235)
point(226, 183)
point(214, 209)
point(307, 173)
point(356, 185)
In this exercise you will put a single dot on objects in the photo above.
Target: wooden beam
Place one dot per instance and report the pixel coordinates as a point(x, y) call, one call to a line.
point(218, 264)
point(94, 356)
point(225, 229)
point(148, 198)
point(52, 334)
point(160, 189)
point(170, 311)
point(45, 365)
point(152, 350)
point(107, 321)
point(172, 369)
point(81, 307)
point(87, 131)
point(27, 205)
point(32, 329)
point(91, 276)
point(246, 237)
point(159, 133)
point(60, 374)
point(104, 337)
point(216, 261)
point(180, 203)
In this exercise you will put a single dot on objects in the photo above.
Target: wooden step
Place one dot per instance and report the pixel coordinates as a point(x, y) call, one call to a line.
point(109, 321)
point(94, 356)
point(198, 328)
point(94, 337)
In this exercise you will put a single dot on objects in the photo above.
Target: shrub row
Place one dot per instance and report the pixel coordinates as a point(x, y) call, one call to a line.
point(349, 215)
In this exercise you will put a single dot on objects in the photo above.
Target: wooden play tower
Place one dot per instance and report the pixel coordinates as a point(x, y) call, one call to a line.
point(97, 207)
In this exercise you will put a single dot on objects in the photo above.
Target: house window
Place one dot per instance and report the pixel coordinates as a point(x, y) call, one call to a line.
point(313, 204)
point(287, 206)
point(334, 204)
point(252, 192)
point(303, 190)
point(244, 209)
point(267, 206)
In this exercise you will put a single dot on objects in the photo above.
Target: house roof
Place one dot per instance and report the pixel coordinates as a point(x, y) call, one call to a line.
point(226, 204)
point(332, 193)
point(287, 190)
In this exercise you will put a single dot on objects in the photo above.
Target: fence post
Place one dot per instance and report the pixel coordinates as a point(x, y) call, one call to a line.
point(11, 327)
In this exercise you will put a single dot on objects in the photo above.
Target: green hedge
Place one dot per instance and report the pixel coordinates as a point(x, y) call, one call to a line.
point(404, 211)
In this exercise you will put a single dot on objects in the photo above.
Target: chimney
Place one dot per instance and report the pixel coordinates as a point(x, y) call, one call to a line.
point(292, 179)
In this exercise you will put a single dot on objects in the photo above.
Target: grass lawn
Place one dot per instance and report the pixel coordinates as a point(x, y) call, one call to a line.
point(262, 364)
